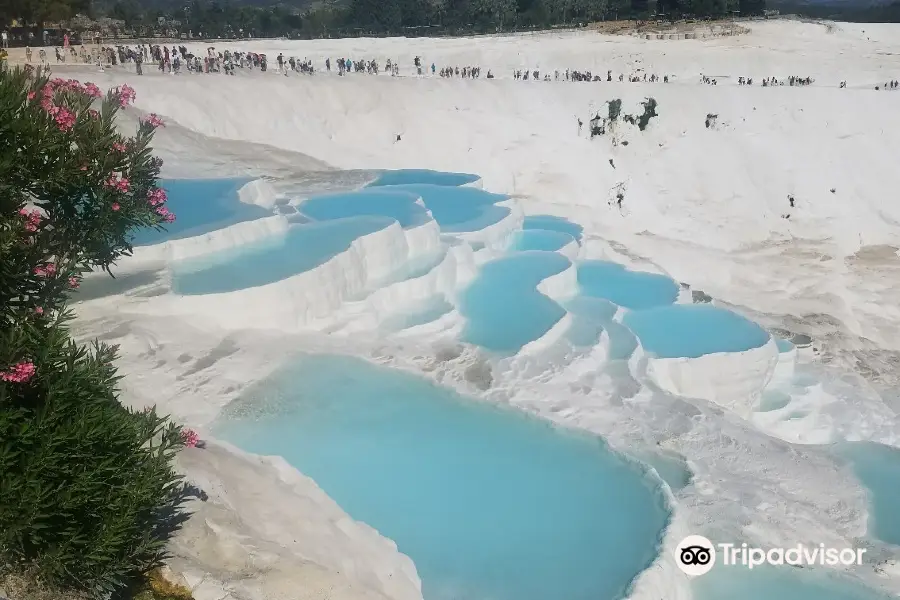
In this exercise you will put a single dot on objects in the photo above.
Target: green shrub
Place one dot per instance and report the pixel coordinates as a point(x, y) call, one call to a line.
point(614, 109)
point(63, 164)
point(649, 112)
point(88, 494)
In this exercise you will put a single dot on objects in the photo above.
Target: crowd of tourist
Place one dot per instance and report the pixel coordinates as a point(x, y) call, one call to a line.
point(793, 80)
point(465, 72)
point(174, 59)
point(177, 59)
point(572, 75)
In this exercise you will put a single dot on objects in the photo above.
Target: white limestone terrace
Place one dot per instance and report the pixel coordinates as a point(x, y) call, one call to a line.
point(703, 352)
point(703, 206)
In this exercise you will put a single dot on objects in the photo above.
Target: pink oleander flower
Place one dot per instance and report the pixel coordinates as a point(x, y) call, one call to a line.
point(48, 270)
point(166, 215)
point(18, 373)
point(190, 437)
point(31, 95)
point(119, 147)
point(115, 206)
point(118, 183)
point(92, 90)
point(73, 282)
point(32, 219)
point(126, 95)
point(153, 120)
point(73, 85)
point(38, 310)
point(65, 118)
point(157, 196)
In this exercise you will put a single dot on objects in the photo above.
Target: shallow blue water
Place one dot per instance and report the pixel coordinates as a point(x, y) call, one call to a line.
point(671, 467)
point(540, 239)
point(631, 289)
point(398, 205)
point(783, 345)
point(596, 308)
point(302, 248)
point(554, 223)
point(778, 583)
point(407, 176)
point(622, 342)
point(201, 206)
point(692, 330)
point(458, 209)
point(590, 317)
point(878, 468)
point(503, 309)
point(773, 400)
point(490, 503)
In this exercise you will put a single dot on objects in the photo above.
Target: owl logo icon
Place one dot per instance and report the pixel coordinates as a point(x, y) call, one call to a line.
point(695, 555)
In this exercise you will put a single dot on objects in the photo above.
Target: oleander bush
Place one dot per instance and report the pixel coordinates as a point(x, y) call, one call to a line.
point(88, 492)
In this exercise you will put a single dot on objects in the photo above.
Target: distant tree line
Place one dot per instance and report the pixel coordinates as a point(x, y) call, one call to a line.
point(40, 11)
point(215, 18)
point(337, 18)
point(851, 12)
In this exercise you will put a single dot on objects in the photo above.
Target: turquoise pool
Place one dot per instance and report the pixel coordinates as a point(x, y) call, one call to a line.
point(778, 583)
point(631, 289)
point(540, 239)
point(878, 468)
point(671, 467)
point(412, 176)
point(692, 330)
point(503, 310)
point(302, 248)
point(554, 223)
point(489, 503)
point(458, 209)
point(784, 345)
point(201, 206)
point(401, 206)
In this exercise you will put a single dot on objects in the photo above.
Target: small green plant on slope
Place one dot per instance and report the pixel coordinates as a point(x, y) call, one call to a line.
point(88, 493)
point(614, 109)
point(649, 112)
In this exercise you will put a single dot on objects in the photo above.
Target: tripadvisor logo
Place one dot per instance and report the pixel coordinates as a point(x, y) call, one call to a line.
point(696, 555)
